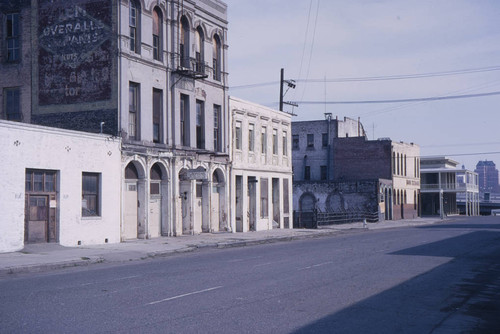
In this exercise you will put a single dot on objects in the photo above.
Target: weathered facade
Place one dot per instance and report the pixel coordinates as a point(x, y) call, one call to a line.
point(61, 187)
point(152, 73)
point(15, 60)
point(261, 181)
point(338, 154)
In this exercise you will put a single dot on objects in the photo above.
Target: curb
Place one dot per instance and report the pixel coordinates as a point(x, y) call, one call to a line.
point(86, 261)
point(50, 266)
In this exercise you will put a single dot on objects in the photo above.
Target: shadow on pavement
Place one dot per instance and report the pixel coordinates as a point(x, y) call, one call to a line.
point(460, 296)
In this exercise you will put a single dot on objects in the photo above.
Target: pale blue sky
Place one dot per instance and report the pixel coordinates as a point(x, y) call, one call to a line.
point(378, 38)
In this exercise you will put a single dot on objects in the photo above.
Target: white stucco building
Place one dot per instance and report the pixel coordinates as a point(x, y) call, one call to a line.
point(261, 178)
point(58, 186)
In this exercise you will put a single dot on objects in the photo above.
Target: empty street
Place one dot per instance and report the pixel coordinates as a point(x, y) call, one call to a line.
point(441, 278)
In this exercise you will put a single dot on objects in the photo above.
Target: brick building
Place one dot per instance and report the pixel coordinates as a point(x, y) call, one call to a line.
point(337, 169)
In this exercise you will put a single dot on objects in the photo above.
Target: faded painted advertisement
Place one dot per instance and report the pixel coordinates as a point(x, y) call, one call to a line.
point(74, 61)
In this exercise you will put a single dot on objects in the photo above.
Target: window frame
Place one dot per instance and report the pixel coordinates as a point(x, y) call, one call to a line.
point(134, 23)
point(216, 58)
point(13, 109)
point(285, 144)
point(134, 110)
point(217, 128)
point(307, 173)
point(275, 141)
point(12, 37)
point(324, 140)
point(251, 137)
point(158, 37)
point(157, 115)
point(200, 124)
point(184, 119)
point(263, 140)
point(310, 141)
point(91, 194)
point(295, 142)
point(237, 135)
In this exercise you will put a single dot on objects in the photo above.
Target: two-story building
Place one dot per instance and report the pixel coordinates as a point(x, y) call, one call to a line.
point(443, 182)
point(261, 182)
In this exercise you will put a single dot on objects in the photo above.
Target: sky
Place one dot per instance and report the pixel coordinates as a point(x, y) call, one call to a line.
point(330, 47)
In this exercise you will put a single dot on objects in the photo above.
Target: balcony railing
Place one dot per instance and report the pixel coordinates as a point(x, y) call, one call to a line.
point(450, 187)
point(193, 68)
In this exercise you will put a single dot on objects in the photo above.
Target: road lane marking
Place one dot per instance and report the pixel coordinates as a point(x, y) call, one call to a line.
point(317, 265)
point(110, 280)
point(184, 295)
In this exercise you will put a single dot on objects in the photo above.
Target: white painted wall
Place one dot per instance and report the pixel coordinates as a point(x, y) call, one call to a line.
point(69, 153)
point(258, 165)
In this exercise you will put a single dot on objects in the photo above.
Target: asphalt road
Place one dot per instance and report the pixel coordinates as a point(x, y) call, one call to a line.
point(434, 279)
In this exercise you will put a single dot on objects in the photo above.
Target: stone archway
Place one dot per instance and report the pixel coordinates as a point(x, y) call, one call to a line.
point(133, 201)
point(218, 211)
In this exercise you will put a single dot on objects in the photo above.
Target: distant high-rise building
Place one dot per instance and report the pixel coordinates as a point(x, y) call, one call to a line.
point(488, 176)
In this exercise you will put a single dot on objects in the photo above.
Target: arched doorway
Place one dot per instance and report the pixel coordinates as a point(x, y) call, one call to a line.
point(185, 196)
point(218, 200)
point(158, 205)
point(133, 217)
point(307, 214)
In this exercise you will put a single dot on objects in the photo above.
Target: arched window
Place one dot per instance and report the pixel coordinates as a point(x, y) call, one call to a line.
point(199, 44)
point(135, 26)
point(184, 43)
point(217, 58)
point(155, 176)
point(157, 34)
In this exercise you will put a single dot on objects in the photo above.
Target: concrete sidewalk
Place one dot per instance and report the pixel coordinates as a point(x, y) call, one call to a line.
point(45, 257)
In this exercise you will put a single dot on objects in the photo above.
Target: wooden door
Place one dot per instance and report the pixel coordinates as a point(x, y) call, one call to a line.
point(37, 219)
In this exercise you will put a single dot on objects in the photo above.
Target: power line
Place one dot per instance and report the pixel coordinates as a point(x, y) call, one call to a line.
point(380, 78)
point(436, 98)
point(407, 76)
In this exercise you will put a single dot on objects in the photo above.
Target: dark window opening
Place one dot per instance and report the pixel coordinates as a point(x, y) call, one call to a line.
point(307, 173)
point(12, 104)
point(200, 124)
point(157, 115)
point(310, 140)
point(133, 120)
point(295, 142)
point(90, 194)
point(12, 37)
point(323, 172)
point(217, 128)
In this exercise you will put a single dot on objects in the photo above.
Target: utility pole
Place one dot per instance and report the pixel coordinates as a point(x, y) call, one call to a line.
point(290, 84)
point(282, 78)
